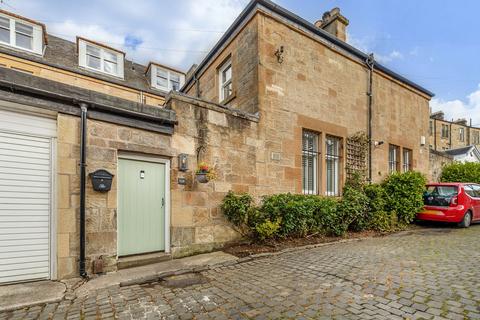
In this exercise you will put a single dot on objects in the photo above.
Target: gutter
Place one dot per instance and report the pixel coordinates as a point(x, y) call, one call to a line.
point(21, 88)
point(306, 25)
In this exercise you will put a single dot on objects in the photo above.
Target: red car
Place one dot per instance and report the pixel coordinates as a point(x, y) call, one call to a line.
point(452, 202)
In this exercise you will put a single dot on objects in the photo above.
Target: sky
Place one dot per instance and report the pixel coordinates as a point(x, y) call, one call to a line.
point(434, 43)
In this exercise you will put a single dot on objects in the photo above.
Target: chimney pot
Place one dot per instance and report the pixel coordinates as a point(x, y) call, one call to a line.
point(334, 23)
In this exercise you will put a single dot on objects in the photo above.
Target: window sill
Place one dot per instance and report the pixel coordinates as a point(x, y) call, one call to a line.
point(229, 98)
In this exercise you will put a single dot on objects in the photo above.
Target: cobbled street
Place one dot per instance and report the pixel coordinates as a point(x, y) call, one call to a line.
point(431, 273)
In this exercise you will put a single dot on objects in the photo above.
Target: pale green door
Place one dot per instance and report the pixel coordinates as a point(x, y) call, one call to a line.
point(141, 207)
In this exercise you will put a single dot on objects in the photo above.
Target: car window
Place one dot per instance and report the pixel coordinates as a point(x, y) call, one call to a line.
point(476, 190)
point(439, 195)
point(442, 190)
point(469, 190)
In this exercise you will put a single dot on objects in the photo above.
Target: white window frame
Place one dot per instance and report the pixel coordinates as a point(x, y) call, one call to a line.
point(37, 35)
point(314, 155)
point(393, 162)
point(407, 160)
point(334, 159)
point(461, 134)
point(154, 72)
point(221, 85)
point(82, 58)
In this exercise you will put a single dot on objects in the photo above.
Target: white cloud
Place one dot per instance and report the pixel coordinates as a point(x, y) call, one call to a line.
point(69, 29)
point(456, 109)
point(367, 44)
point(393, 55)
point(176, 33)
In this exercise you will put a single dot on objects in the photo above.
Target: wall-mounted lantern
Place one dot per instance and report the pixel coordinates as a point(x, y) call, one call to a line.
point(183, 162)
point(101, 180)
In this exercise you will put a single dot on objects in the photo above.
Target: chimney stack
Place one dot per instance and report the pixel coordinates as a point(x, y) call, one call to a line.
point(334, 23)
point(439, 115)
point(462, 121)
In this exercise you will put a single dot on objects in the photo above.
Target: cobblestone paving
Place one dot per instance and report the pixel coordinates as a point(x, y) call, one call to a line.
point(423, 274)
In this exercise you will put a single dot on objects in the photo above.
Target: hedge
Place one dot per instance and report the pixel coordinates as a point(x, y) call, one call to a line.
point(383, 207)
point(461, 172)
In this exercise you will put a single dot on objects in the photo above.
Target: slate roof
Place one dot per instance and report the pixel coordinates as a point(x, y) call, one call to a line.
point(459, 151)
point(62, 54)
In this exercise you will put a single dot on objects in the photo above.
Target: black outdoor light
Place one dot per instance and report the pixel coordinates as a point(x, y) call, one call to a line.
point(101, 180)
point(183, 162)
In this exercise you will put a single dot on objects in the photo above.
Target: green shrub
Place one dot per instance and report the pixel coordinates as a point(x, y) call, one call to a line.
point(380, 218)
point(267, 229)
point(238, 209)
point(353, 206)
point(404, 194)
point(461, 172)
point(297, 213)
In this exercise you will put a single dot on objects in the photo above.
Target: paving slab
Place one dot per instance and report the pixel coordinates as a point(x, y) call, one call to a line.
point(20, 295)
point(154, 271)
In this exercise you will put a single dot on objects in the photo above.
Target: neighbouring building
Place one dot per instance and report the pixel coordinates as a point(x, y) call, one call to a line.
point(445, 134)
point(278, 105)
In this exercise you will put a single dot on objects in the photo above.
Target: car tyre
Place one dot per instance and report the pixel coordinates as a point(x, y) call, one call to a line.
point(466, 221)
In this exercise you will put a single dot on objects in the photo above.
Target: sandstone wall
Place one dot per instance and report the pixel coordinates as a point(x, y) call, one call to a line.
point(205, 132)
point(243, 52)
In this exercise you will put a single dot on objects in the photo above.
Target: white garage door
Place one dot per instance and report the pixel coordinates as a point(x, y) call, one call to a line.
point(26, 143)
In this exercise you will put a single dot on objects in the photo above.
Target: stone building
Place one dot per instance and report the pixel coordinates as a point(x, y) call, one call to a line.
point(275, 106)
point(445, 134)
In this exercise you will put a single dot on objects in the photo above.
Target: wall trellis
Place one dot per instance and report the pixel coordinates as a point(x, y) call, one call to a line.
point(357, 154)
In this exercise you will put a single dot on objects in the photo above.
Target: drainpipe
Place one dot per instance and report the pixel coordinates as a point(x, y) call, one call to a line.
point(370, 64)
point(83, 144)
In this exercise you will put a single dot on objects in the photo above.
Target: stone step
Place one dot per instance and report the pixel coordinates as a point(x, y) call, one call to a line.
point(142, 259)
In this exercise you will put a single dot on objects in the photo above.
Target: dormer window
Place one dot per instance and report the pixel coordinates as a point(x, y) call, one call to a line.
point(100, 59)
point(166, 79)
point(21, 34)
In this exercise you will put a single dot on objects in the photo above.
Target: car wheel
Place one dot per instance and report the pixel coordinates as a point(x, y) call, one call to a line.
point(467, 220)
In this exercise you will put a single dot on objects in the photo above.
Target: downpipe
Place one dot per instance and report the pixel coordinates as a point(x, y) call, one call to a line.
point(83, 145)
point(370, 61)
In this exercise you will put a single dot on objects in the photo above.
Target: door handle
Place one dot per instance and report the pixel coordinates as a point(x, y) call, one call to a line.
point(163, 202)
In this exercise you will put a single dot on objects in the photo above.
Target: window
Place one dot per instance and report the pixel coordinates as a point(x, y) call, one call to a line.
point(225, 80)
point(461, 134)
point(445, 131)
point(393, 158)
point(166, 79)
point(332, 161)
point(476, 137)
point(431, 128)
point(4, 30)
point(20, 34)
point(309, 162)
point(23, 35)
point(439, 195)
point(407, 160)
point(97, 58)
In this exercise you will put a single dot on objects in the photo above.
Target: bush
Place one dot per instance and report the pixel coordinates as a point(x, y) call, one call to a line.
point(380, 218)
point(238, 209)
point(300, 214)
point(461, 172)
point(404, 194)
point(382, 207)
point(352, 209)
point(267, 229)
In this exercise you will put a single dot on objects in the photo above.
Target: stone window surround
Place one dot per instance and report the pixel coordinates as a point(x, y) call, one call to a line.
point(226, 62)
point(323, 129)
